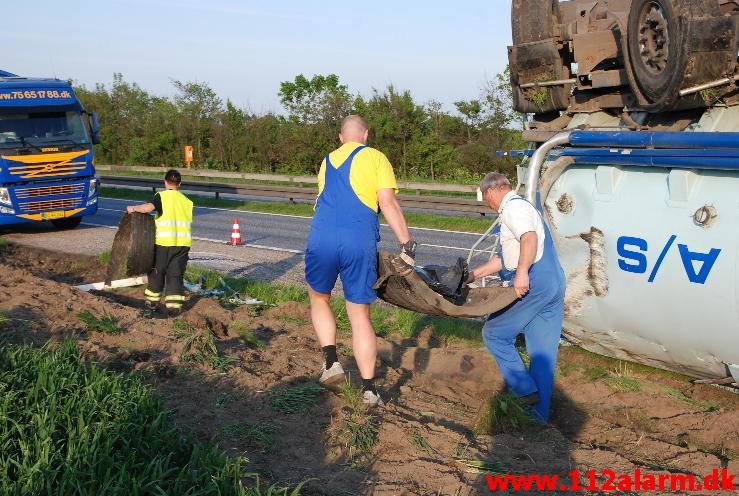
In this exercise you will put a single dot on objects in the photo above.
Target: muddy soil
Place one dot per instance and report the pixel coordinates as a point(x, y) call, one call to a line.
point(633, 417)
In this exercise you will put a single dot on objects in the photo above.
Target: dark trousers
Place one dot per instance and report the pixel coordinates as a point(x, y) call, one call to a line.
point(168, 275)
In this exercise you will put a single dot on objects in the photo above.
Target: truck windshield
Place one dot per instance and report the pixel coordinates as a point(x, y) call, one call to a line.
point(39, 129)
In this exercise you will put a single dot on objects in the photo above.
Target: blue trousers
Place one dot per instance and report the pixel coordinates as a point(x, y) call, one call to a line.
point(538, 315)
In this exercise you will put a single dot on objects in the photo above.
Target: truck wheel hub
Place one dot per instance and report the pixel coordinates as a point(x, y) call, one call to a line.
point(654, 38)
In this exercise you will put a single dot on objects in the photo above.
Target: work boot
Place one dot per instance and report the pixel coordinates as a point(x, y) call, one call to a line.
point(174, 312)
point(372, 399)
point(333, 377)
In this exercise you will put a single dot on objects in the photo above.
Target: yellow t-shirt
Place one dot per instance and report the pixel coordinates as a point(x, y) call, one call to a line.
point(371, 171)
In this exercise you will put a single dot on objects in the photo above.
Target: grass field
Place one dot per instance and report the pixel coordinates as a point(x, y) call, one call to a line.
point(67, 427)
point(414, 219)
point(387, 320)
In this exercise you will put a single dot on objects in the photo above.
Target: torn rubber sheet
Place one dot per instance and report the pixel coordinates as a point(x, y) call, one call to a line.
point(401, 285)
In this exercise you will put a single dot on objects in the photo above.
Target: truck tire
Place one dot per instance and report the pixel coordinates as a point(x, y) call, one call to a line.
point(533, 62)
point(533, 20)
point(668, 43)
point(133, 247)
point(68, 223)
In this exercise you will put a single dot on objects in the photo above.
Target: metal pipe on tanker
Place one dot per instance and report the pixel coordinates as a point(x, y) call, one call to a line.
point(532, 182)
point(707, 86)
point(544, 84)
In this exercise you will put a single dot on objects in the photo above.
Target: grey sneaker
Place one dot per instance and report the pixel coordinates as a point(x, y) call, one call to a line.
point(333, 377)
point(372, 399)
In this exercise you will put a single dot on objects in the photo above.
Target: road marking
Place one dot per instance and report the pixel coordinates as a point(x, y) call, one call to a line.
point(294, 217)
point(218, 241)
point(274, 248)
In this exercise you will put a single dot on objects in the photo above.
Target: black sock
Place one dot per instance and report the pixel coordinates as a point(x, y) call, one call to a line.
point(329, 353)
point(369, 385)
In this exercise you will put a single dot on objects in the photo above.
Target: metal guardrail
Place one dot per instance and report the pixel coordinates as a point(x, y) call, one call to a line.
point(291, 193)
point(418, 186)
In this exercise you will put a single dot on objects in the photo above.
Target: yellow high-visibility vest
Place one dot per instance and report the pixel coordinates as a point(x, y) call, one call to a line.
point(174, 226)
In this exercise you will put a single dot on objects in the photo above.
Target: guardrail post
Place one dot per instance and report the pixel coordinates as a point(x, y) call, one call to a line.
point(218, 195)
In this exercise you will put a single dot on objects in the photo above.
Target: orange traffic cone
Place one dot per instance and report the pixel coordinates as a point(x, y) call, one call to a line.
point(236, 233)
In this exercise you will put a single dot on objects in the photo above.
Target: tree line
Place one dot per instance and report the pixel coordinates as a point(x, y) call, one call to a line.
point(422, 140)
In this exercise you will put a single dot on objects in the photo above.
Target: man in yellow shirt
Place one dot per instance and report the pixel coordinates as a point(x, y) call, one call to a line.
point(354, 182)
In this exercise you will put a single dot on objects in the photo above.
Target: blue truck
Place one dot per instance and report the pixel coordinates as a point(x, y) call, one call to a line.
point(47, 170)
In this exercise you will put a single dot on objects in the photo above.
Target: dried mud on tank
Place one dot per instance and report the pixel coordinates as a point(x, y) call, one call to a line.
point(607, 414)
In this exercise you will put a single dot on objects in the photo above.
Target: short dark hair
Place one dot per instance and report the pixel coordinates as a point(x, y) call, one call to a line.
point(173, 176)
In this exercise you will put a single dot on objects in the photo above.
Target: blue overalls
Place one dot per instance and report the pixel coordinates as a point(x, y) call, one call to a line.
point(539, 316)
point(343, 238)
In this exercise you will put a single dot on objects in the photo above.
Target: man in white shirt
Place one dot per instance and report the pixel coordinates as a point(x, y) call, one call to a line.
point(528, 259)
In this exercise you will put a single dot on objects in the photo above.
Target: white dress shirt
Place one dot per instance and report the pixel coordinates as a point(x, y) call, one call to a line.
point(517, 217)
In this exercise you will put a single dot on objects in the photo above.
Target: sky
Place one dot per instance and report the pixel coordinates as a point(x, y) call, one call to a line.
point(437, 49)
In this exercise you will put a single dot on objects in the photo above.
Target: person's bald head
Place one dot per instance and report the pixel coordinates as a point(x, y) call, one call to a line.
point(354, 129)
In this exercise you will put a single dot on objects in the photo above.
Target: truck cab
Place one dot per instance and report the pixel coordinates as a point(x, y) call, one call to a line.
point(46, 153)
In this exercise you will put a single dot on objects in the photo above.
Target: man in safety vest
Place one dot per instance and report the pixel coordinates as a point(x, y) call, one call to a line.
point(173, 240)
point(353, 183)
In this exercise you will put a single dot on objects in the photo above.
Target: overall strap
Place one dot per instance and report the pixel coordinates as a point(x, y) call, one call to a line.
point(354, 154)
point(348, 159)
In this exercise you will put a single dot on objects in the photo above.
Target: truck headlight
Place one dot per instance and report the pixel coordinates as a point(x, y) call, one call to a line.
point(93, 188)
point(6, 210)
point(5, 196)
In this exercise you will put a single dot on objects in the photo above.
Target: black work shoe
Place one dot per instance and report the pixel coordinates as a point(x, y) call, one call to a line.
point(530, 399)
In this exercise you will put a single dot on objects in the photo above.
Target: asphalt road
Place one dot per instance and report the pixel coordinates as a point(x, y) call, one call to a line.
point(288, 233)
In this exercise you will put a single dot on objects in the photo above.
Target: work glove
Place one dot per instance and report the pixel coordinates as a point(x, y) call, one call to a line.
point(408, 252)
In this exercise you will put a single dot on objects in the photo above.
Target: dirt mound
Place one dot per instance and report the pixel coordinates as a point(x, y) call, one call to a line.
point(208, 313)
point(244, 380)
point(53, 265)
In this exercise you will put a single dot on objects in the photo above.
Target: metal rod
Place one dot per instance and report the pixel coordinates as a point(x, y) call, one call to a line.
point(706, 86)
point(559, 82)
point(532, 182)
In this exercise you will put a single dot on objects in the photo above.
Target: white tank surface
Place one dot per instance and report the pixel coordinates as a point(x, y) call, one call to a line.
point(647, 230)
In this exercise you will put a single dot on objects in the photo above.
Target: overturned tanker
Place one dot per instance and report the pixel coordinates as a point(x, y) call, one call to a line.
point(634, 162)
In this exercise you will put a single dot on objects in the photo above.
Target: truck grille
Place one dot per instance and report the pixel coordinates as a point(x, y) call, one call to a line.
point(61, 189)
point(46, 164)
point(43, 205)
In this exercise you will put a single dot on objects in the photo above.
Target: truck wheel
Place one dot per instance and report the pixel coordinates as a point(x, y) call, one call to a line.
point(665, 37)
point(133, 247)
point(533, 20)
point(68, 223)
